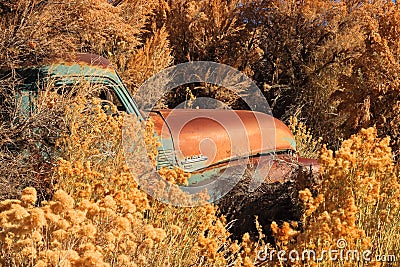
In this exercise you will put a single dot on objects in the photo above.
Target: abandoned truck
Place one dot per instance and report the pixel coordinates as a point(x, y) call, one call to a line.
point(191, 139)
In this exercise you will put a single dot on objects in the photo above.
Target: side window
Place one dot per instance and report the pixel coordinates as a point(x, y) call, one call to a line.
point(19, 92)
point(104, 91)
point(107, 94)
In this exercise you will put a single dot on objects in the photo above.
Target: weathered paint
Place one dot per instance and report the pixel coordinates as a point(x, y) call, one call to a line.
point(203, 144)
point(220, 135)
point(85, 59)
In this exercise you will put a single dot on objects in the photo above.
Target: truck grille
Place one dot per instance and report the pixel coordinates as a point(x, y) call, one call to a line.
point(165, 158)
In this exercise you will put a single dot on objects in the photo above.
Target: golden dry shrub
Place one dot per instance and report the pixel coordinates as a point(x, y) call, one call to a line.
point(334, 63)
point(369, 91)
point(99, 216)
point(66, 233)
point(28, 135)
point(34, 30)
point(306, 145)
point(357, 205)
point(208, 31)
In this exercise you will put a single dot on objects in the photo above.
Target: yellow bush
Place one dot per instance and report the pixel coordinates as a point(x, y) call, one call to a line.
point(99, 216)
point(358, 202)
point(307, 146)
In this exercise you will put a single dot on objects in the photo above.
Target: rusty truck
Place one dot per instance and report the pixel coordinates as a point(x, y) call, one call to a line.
point(201, 146)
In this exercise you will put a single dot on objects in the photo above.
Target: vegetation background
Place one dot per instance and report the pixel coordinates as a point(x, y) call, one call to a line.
point(333, 65)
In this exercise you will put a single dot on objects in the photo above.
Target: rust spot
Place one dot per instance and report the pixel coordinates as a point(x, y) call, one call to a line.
point(84, 59)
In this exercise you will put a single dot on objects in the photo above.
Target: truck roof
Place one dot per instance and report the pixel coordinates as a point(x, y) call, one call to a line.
point(86, 59)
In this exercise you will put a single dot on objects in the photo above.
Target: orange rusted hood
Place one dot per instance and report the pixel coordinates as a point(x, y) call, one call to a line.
point(215, 136)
